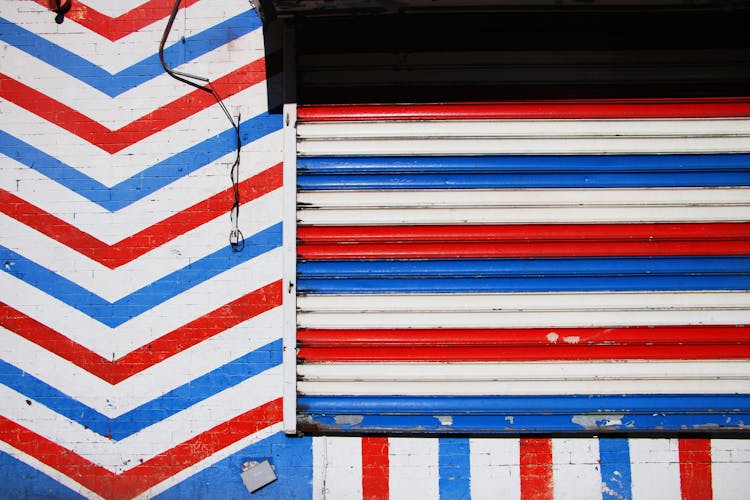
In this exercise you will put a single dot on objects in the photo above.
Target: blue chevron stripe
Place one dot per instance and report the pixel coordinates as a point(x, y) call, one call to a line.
point(148, 297)
point(147, 181)
point(149, 413)
point(21, 480)
point(143, 71)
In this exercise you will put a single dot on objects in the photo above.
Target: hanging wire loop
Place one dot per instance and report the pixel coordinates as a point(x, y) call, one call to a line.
point(61, 10)
point(236, 238)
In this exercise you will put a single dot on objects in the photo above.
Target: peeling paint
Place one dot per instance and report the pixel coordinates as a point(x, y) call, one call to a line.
point(572, 339)
point(612, 493)
point(597, 421)
point(348, 419)
point(552, 337)
point(707, 427)
point(445, 419)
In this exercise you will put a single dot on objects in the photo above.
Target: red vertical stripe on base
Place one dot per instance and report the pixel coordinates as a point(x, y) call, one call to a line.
point(536, 469)
point(695, 469)
point(375, 467)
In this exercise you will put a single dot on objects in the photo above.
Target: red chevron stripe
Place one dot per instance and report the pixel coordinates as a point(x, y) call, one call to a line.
point(146, 240)
point(148, 474)
point(113, 141)
point(114, 28)
point(193, 333)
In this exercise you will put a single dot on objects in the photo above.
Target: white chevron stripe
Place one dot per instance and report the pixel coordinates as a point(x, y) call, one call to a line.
point(213, 459)
point(110, 169)
point(111, 227)
point(113, 284)
point(113, 57)
point(114, 343)
point(120, 456)
point(116, 400)
point(151, 95)
point(45, 469)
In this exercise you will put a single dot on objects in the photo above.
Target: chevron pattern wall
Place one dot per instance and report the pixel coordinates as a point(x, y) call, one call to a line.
point(137, 348)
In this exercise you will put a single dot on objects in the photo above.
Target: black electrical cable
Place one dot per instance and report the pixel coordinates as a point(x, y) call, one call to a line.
point(61, 10)
point(236, 238)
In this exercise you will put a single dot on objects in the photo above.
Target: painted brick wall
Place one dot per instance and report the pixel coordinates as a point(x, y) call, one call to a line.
point(139, 355)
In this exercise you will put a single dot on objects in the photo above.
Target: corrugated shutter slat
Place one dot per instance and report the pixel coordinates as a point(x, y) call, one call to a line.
point(526, 255)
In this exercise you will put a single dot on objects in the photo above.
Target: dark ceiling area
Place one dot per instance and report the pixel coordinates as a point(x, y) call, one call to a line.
point(322, 8)
point(540, 30)
point(500, 51)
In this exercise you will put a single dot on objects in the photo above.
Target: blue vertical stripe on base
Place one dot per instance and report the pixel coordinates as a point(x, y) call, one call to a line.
point(454, 468)
point(614, 457)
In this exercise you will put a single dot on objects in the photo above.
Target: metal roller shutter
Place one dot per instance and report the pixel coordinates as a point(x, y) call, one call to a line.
point(524, 267)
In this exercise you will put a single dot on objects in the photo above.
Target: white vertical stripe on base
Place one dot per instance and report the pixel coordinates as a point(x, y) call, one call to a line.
point(730, 468)
point(337, 467)
point(654, 468)
point(495, 468)
point(576, 474)
point(414, 468)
